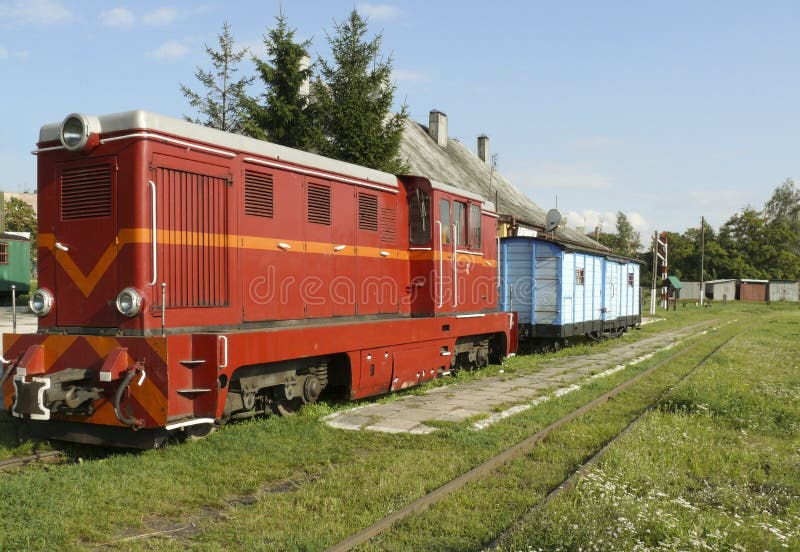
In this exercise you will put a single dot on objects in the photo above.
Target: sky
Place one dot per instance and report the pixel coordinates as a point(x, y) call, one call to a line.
point(665, 111)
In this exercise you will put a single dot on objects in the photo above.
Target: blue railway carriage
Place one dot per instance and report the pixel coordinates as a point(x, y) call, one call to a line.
point(559, 293)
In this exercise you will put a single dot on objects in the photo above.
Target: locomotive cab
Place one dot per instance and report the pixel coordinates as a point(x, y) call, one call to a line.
point(452, 249)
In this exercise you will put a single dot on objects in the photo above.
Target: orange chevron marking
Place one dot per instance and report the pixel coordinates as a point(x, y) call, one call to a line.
point(103, 345)
point(151, 399)
point(87, 282)
point(159, 346)
point(9, 340)
point(54, 347)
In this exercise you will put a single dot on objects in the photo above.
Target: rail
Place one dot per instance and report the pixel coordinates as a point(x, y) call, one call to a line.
point(516, 451)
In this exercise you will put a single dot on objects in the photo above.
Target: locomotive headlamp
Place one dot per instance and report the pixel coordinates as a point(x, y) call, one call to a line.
point(74, 132)
point(41, 302)
point(129, 302)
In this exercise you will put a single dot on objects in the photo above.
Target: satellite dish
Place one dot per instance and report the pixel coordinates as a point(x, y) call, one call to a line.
point(553, 220)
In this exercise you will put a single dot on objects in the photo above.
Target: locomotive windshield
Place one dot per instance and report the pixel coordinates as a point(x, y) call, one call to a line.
point(419, 217)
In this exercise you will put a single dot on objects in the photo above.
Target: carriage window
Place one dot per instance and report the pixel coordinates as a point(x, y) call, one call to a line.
point(630, 279)
point(444, 218)
point(3, 253)
point(579, 277)
point(419, 224)
point(460, 220)
point(475, 226)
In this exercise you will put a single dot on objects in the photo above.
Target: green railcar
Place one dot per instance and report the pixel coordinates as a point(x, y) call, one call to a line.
point(15, 263)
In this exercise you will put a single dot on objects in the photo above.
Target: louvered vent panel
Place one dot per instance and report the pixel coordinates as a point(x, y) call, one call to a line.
point(388, 225)
point(368, 212)
point(319, 204)
point(193, 257)
point(258, 198)
point(86, 192)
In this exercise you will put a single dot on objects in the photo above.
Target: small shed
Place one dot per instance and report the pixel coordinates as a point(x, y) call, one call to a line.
point(783, 290)
point(15, 262)
point(721, 290)
point(752, 290)
point(690, 291)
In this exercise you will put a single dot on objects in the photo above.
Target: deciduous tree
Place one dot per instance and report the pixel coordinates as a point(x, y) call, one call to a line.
point(626, 241)
point(20, 217)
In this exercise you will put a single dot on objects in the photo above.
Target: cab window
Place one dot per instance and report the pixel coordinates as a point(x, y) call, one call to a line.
point(475, 226)
point(444, 218)
point(419, 208)
point(460, 220)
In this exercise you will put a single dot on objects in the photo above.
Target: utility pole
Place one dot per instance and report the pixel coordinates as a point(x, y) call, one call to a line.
point(655, 263)
point(659, 245)
point(702, 259)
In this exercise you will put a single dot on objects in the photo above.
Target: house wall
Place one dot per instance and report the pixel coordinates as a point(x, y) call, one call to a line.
point(783, 291)
point(720, 291)
point(690, 291)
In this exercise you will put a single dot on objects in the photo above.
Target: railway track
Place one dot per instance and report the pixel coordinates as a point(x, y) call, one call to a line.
point(522, 448)
point(11, 464)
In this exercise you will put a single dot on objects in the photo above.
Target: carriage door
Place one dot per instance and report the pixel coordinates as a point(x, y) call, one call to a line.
point(445, 259)
point(611, 291)
point(546, 285)
point(85, 245)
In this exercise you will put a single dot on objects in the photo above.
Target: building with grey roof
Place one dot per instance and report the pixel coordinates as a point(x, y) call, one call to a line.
point(432, 153)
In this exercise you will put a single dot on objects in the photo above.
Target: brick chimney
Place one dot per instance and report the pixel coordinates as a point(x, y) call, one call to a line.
point(437, 127)
point(483, 148)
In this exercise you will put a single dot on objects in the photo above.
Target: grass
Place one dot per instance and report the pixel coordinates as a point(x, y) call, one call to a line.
point(726, 443)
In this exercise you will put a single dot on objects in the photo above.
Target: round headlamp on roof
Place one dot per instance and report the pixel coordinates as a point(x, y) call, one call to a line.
point(74, 133)
point(79, 132)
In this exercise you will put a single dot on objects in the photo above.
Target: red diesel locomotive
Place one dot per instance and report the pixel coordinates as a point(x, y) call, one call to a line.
point(189, 276)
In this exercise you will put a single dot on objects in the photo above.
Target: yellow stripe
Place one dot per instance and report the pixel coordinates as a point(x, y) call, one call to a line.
point(87, 282)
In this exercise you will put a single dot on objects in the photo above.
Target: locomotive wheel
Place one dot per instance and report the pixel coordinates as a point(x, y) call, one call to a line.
point(287, 407)
point(195, 432)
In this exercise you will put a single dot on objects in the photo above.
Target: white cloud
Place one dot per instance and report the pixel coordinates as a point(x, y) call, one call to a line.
point(5, 53)
point(557, 176)
point(117, 17)
point(160, 17)
point(589, 219)
point(410, 76)
point(378, 12)
point(170, 50)
point(35, 12)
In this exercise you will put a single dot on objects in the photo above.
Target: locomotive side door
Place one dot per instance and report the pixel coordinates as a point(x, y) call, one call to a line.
point(85, 242)
point(445, 262)
point(315, 282)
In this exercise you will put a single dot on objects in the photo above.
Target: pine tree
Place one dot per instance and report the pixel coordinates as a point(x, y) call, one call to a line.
point(352, 101)
point(280, 114)
point(220, 106)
